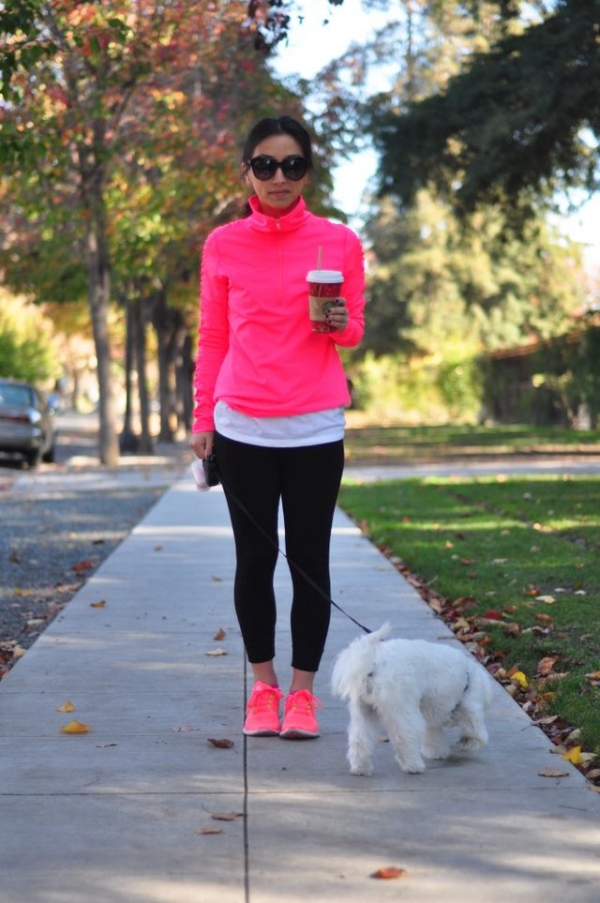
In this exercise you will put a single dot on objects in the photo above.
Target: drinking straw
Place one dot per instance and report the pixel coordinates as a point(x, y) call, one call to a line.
point(319, 257)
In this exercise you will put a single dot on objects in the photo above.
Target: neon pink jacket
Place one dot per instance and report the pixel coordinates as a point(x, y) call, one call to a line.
point(256, 349)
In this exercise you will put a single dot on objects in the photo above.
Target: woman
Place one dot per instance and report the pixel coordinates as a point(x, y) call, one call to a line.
point(270, 395)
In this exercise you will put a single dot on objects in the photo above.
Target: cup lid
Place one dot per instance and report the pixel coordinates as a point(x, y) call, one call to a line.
point(331, 276)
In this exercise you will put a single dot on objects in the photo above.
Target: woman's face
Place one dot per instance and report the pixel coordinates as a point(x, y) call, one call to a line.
point(277, 194)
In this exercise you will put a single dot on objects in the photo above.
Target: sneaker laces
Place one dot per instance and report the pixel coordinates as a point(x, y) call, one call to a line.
point(264, 698)
point(303, 702)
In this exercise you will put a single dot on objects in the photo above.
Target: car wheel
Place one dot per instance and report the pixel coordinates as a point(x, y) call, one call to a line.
point(33, 457)
point(50, 456)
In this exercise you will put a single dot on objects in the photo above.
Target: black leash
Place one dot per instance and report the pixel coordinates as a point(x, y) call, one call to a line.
point(213, 478)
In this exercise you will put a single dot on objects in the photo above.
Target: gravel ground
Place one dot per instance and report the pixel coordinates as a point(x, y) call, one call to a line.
point(52, 540)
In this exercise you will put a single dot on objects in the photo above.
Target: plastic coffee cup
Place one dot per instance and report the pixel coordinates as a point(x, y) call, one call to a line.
point(324, 288)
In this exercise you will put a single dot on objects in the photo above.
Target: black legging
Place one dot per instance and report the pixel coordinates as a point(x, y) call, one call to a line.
point(307, 480)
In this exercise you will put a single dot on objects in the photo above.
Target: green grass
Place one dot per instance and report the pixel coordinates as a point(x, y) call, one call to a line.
point(406, 444)
point(512, 564)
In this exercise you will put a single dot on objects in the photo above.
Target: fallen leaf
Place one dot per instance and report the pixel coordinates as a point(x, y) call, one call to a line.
point(573, 755)
point(222, 743)
point(226, 816)
point(75, 727)
point(216, 579)
point(547, 599)
point(546, 664)
point(185, 729)
point(219, 635)
point(105, 745)
point(209, 831)
point(520, 678)
point(388, 872)
point(100, 604)
point(82, 566)
point(553, 773)
point(216, 652)
point(158, 548)
point(66, 707)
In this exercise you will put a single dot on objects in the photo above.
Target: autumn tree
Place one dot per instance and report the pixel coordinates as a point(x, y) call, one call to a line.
point(79, 122)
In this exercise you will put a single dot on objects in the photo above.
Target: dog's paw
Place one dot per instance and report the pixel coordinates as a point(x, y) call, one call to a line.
point(437, 753)
point(468, 744)
point(364, 771)
point(411, 767)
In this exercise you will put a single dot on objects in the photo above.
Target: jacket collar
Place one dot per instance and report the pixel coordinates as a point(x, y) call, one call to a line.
point(286, 223)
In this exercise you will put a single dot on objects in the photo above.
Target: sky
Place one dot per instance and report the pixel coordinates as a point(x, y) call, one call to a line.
point(310, 47)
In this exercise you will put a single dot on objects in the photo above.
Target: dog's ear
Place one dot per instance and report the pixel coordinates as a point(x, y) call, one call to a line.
point(380, 634)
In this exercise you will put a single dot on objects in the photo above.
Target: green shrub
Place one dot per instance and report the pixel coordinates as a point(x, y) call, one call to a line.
point(28, 348)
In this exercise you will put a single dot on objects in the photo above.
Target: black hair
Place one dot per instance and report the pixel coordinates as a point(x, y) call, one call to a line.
point(282, 125)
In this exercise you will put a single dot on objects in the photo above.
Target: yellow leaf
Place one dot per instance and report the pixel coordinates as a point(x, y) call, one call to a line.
point(100, 604)
point(520, 678)
point(75, 727)
point(66, 707)
point(573, 755)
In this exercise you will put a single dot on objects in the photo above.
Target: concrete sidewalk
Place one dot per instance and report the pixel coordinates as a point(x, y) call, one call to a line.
point(120, 814)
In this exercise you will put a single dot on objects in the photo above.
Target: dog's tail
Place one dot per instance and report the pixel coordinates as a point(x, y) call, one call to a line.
point(354, 663)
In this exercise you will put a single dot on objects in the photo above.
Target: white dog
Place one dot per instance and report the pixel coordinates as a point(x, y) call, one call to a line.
point(416, 690)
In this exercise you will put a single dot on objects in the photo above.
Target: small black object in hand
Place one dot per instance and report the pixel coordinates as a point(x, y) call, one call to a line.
point(211, 471)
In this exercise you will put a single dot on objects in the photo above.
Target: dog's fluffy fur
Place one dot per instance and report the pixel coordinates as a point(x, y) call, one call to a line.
point(416, 690)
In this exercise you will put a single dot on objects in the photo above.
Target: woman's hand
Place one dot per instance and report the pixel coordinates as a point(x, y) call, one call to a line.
point(337, 317)
point(202, 444)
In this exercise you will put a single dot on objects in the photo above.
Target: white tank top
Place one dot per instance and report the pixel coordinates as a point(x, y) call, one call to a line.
point(315, 428)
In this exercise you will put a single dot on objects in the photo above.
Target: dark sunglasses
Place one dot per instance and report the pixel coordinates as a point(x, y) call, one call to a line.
point(264, 167)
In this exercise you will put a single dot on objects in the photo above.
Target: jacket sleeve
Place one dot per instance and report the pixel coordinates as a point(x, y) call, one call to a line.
point(354, 288)
point(213, 336)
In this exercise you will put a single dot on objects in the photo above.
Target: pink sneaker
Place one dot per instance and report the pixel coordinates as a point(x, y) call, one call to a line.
point(262, 711)
point(299, 722)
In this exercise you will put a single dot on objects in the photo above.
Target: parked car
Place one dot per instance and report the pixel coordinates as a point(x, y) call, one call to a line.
point(27, 424)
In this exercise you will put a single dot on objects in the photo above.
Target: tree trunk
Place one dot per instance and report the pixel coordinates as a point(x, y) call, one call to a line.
point(98, 299)
point(165, 322)
point(185, 375)
point(98, 272)
point(145, 439)
point(128, 441)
